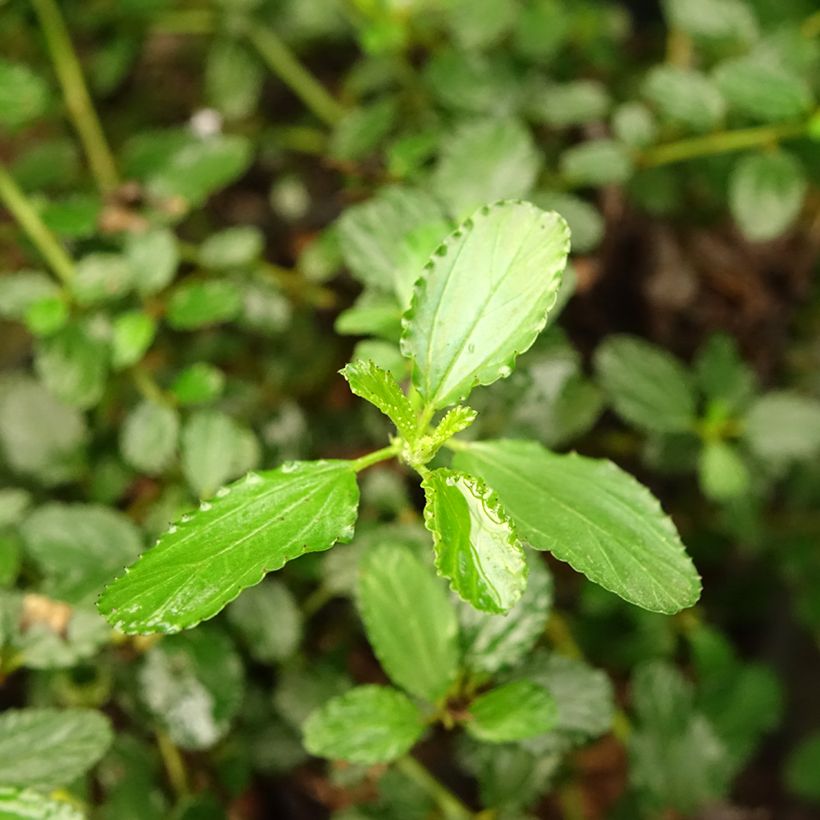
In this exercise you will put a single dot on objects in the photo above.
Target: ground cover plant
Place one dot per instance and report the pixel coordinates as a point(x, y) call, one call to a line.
point(409, 409)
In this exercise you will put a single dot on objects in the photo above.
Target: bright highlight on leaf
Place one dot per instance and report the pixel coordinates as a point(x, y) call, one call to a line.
point(250, 528)
point(483, 299)
point(475, 545)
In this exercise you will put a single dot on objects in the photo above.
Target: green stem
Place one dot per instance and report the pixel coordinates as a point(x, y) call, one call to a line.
point(281, 60)
point(721, 142)
point(450, 805)
point(174, 764)
point(33, 226)
point(375, 457)
point(75, 93)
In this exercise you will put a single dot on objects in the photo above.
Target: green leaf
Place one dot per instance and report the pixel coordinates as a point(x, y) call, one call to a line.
point(586, 224)
point(543, 28)
point(684, 97)
point(371, 234)
point(484, 161)
point(134, 332)
point(76, 216)
point(40, 436)
point(763, 89)
point(454, 421)
point(368, 725)
point(484, 298)
point(148, 440)
point(384, 355)
point(783, 426)
point(47, 315)
point(48, 748)
point(475, 544)
point(722, 473)
point(16, 804)
point(360, 131)
point(802, 767)
point(562, 105)
point(491, 642)
point(302, 688)
point(73, 364)
point(78, 547)
point(268, 620)
point(198, 384)
point(634, 125)
point(373, 314)
point(647, 386)
point(722, 374)
point(14, 501)
point(596, 162)
point(153, 258)
point(766, 192)
point(233, 79)
point(24, 95)
point(409, 619)
point(199, 304)
point(212, 444)
point(594, 516)
point(381, 389)
point(251, 527)
point(513, 711)
point(713, 20)
point(100, 278)
point(20, 290)
point(193, 685)
point(232, 247)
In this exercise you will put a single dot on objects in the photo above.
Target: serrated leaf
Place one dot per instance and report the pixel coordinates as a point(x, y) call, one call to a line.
point(368, 724)
point(484, 298)
point(485, 161)
point(491, 642)
point(148, 440)
point(73, 365)
point(513, 711)
point(647, 385)
point(783, 426)
point(251, 527)
point(48, 748)
point(381, 389)
point(78, 547)
point(593, 515)
point(268, 620)
point(454, 421)
point(23, 804)
point(409, 619)
point(371, 234)
point(193, 685)
point(475, 544)
point(766, 193)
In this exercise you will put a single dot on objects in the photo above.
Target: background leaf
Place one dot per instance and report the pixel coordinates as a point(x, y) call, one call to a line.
point(512, 711)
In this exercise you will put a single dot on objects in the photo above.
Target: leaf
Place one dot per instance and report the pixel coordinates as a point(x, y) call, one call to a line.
point(802, 766)
point(24, 95)
point(193, 685)
point(562, 105)
point(368, 725)
point(39, 434)
point(251, 527)
point(484, 298)
point(134, 332)
point(14, 501)
point(101, 278)
point(232, 247)
point(484, 161)
point(647, 386)
point(233, 79)
point(513, 711)
point(153, 258)
point(268, 620)
point(713, 20)
point(73, 365)
point(594, 516)
point(20, 290)
point(198, 304)
point(211, 444)
point(722, 374)
point(78, 547)
point(762, 89)
point(475, 544)
point(381, 389)
point(148, 440)
point(302, 688)
point(491, 642)
point(198, 384)
point(766, 192)
point(684, 97)
point(371, 234)
point(596, 162)
point(46, 316)
point(18, 804)
point(722, 473)
point(586, 224)
point(409, 619)
point(783, 426)
point(361, 130)
point(48, 748)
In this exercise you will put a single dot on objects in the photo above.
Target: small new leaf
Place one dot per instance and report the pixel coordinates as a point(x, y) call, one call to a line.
point(475, 544)
point(370, 382)
point(368, 725)
point(513, 711)
point(251, 527)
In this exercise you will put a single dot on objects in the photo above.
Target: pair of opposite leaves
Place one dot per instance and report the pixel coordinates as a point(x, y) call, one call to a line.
point(483, 299)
